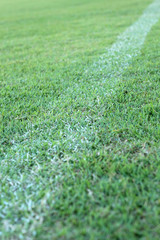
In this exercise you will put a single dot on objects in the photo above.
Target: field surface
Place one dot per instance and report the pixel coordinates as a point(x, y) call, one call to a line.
point(79, 120)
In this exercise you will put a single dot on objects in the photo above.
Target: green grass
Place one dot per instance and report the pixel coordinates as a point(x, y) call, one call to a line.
point(76, 166)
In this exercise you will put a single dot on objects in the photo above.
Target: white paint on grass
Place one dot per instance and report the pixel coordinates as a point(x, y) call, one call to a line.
point(128, 44)
point(101, 78)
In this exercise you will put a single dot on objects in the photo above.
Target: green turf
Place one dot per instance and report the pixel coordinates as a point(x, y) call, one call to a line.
point(76, 167)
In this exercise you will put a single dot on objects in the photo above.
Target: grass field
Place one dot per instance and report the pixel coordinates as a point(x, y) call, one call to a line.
point(79, 151)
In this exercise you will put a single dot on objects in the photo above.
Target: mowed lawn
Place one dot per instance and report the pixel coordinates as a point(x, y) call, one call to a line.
point(77, 166)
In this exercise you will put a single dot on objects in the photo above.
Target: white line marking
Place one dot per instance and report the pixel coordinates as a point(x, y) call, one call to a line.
point(128, 45)
point(102, 77)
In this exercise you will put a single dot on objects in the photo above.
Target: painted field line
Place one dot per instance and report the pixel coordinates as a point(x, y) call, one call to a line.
point(128, 45)
point(102, 77)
